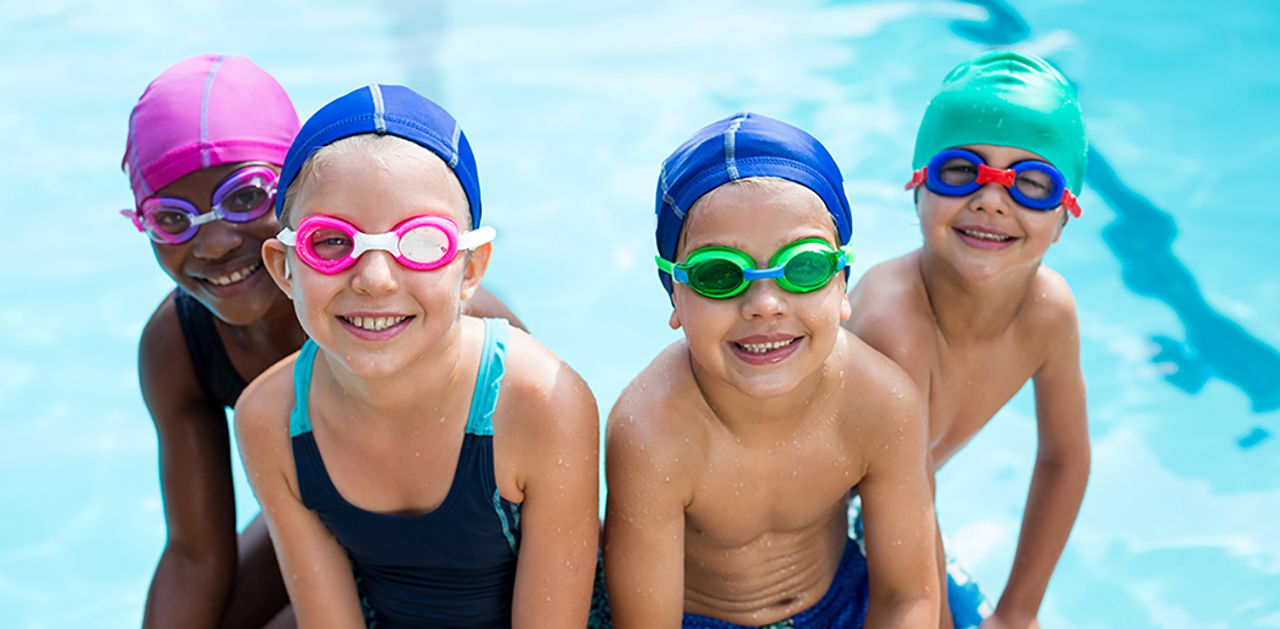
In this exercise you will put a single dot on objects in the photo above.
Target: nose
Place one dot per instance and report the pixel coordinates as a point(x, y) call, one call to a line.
point(374, 274)
point(991, 197)
point(764, 299)
point(216, 240)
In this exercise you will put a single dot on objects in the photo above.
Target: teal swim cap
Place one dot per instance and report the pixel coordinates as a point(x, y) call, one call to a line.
point(1007, 98)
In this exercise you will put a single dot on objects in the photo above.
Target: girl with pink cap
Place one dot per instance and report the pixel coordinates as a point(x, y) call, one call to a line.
point(206, 141)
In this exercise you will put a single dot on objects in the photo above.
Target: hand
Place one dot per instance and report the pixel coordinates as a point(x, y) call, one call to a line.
point(997, 621)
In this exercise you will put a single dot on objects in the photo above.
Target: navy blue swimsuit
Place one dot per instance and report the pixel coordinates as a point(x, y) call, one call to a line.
point(452, 567)
point(214, 371)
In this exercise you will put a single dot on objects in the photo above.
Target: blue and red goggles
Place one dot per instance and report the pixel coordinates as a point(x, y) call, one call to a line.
point(1032, 183)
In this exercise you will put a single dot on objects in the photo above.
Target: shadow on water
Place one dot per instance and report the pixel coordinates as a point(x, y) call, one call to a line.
point(1142, 239)
point(1004, 25)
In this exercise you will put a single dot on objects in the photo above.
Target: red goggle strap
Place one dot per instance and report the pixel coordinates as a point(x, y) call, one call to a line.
point(136, 217)
point(1069, 201)
point(1006, 178)
point(917, 179)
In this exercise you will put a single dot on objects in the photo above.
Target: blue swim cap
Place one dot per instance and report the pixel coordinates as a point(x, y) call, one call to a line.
point(386, 110)
point(741, 146)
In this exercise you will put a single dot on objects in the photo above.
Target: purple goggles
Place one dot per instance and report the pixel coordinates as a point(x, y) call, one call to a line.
point(246, 195)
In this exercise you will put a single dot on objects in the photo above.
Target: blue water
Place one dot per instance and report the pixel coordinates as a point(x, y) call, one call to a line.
point(571, 106)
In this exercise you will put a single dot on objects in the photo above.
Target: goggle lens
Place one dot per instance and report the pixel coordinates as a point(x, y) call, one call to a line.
point(810, 270)
point(424, 245)
point(715, 277)
point(330, 244)
point(244, 196)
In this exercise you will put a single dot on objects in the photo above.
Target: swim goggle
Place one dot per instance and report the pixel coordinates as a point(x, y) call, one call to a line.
point(245, 195)
point(422, 243)
point(1034, 184)
point(722, 272)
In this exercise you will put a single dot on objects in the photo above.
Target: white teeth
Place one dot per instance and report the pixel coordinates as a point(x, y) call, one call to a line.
point(760, 348)
point(374, 324)
point(985, 236)
point(238, 276)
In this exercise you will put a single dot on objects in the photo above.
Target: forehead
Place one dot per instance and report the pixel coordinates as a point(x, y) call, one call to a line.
point(754, 213)
point(1002, 156)
point(373, 178)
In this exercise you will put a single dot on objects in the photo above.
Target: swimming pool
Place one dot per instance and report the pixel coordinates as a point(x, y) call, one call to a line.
point(571, 107)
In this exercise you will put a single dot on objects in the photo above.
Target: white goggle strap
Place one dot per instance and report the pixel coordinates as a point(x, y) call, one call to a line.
point(477, 237)
point(388, 242)
point(288, 237)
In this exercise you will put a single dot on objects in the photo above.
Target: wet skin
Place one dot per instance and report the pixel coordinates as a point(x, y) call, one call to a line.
point(972, 316)
point(731, 455)
point(388, 407)
point(207, 575)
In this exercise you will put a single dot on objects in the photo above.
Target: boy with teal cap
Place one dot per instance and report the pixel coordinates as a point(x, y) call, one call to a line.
point(973, 314)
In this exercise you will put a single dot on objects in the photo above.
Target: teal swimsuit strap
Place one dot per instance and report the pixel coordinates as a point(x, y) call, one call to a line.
point(300, 419)
point(493, 356)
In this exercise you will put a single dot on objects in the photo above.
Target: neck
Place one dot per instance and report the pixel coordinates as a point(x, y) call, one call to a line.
point(748, 417)
point(973, 310)
point(419, 389)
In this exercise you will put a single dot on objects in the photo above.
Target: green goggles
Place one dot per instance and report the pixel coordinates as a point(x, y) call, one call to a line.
point(722, 272)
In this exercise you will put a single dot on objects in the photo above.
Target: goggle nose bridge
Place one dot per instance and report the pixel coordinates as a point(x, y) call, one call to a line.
point(389, 242)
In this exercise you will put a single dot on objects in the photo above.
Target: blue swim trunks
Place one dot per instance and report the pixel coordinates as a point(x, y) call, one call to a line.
point(968, 604)
point(844, 606)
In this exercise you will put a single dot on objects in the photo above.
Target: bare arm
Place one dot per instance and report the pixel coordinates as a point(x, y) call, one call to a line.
point(198, 564)
point(1058, 481)
point(316, 570)
point(898, 521)
point(559, 525)
point(643, 527)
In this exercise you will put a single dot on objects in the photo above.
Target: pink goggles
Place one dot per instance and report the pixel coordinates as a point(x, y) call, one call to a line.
point(422, 243)
point(247, 194)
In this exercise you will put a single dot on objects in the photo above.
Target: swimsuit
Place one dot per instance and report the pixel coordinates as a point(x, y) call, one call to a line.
point(214, 371)
point(843, 606)
point(454, 566)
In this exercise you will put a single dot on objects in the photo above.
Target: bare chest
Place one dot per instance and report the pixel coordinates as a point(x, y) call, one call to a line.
point(791, 485)
point(968, 385)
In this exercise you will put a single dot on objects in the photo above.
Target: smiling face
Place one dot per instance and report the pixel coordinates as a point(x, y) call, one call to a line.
point(986, 234)
point(221, 266)
point(765, 341)
point(377, 316)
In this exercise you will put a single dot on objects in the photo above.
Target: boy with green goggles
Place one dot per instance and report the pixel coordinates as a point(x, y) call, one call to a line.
point(731, 457)
point(723, 272)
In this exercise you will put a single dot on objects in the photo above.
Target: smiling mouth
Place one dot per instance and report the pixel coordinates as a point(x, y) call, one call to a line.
point(374, 324)
point(985, 236)
point(235, 277)
point(764, 348)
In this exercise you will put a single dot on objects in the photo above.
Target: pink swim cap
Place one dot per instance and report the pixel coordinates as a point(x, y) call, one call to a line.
point(202, 112)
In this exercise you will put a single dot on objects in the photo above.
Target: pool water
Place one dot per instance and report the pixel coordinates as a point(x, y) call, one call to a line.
point(570, 107)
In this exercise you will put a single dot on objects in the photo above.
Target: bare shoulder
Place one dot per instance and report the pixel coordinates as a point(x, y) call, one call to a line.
point(168, 379)
point(537, 383)
point(652, 417)
point(1049, 309)
point(876, 385)
point(891, 313)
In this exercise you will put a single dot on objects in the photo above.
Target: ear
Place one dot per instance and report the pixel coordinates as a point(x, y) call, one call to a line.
point(275, 256)
point(846, 310)
point(477, 264)
point(1057, 232)
point(674, 322)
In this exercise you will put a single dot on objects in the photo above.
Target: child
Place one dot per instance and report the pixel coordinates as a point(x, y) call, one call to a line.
point(205, 143)
point(973, 314)
point(730, 457)
point(451, 466)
